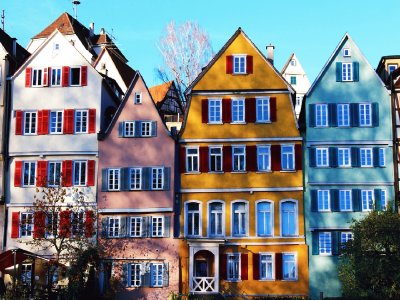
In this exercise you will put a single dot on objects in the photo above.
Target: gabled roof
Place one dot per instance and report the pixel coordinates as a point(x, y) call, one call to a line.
point(7, 42)
point(381, 64)
point(159, 92)
point(223, 49)
point(287, 63)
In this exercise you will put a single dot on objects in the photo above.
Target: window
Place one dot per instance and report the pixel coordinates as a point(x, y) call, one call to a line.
point(366, 157)
point(321, 115)
point(293, 62)
point(233, 261)
point(345, 237)
point(80, 173)
point(81, 121)
point(77, 222)
point(325, 243)
point(391, 68)
point(266, 266)
point(145, 128)
point(113, 226)
point(75, 76)
point(289, 266)
point(239, 211)
point(323, 200)
point(215, 154)
point(157, 271)
point(157, 226)
point(264, 218)
point(263, 158)
point(138, 98)
point(239, 158)
point(135, 275)
point(193, 219)
point(382, 199)
point(288, 218)
point(157, 175)
point(136, 227)
point(29, 173)
point(263, 110)
point(192, 159)
point(344, 157)
point(238, 110)
point(26, 273)
point(322, 157)
point(56, 122)
point(345, 200)
point(287, 157)
point(365, 114)
point(54, 173)
point(347, 72)
point(343, 115)
point(293, 80)
point(367, 198)
point(56, 76)
point(26, 224)
point(135, 178)
point(214, 111)
point(381, 157)
point(298, 100)
point(114, 179)
point(129, 128)
point(30, 122)
point(37, 76)
point(346, 52)
point(51, 225)
point(239, 64)
point(216, 219)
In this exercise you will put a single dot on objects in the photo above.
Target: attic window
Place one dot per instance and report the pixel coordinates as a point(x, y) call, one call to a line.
point(346, 52)
point(138, 98)
point(56, 46)
point(293, 62)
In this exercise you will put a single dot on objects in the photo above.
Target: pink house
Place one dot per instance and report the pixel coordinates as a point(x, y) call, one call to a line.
point(136, 198)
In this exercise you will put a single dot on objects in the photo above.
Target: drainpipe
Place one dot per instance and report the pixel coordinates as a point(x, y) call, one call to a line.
point(393, 95)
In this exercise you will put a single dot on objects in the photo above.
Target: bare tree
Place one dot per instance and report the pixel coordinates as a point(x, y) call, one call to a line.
point(186, 49)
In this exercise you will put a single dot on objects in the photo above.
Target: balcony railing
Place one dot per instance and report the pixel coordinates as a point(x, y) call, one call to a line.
point(204, 285)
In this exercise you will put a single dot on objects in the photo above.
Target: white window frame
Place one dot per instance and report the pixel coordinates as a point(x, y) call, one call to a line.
point(296, 270)
point(345, 237)
point(346, 52)
point(157, 226)
point(56, 76)
point(129, 128)
point(238, 110)
point(135, 178)
point(264, 157)
point(365, 114)
point(26, 274)
point(344, 153)
point(293, 62)
point(383, 199)
point(366, 157)
point(192, 159)
point(157, 276)
point(114, 231)
point(288, 156)
point(135, 274)
point(138, 98)
point(51, 224)
point(157, 178)
point(29, 165)
point(324, 200)
point(241, 213)
point(81, 121)
point(343, 204)
point(30, 119)
point(214, 157)
point(56, 177)
point(37, 79)
point(325, 243)
point(113, 179)
point(82, 180)
point(321, 115)
point(343, 115)
point(80, 75)
point(192, 217)
point(263, 111)
point(267, 261)
point(241, 61)
point(296, 216)
point(238, 158)
point(271, 223)
point(145, 128)
point(26, 228)
point(214, 214)
point(215, 111)
point(135, 226)
point(233, 268)
point(77, 223)
point(347, 71)
point(58, 122)
point(367, 204)
point(322, 156)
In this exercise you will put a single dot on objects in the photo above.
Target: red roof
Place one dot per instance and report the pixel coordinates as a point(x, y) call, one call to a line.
point(159, 92)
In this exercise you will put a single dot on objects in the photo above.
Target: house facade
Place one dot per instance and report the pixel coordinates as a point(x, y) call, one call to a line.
point(348, 158)
point(137, 199)
point(241, 194)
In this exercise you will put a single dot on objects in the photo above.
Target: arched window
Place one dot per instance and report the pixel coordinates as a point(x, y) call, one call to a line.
point(239, 218)
point(216, 219)
point(289, 218)
point(264, 218)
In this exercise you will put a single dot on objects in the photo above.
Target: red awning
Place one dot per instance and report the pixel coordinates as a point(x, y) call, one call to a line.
point(7, 258)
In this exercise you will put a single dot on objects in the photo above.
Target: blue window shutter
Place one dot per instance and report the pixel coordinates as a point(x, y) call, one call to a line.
point(154, 128)
point(125, 273)
point(375, 157)
point(332, 114)
point(375, 114)
point(334, 194)
point(125, 179)
point(166, 274)
point(315, 242)
point(167, 178)
point(355, 157)
point(121, 129)
point(167, 226)
point(311, 118)
point(333, 157)
point(138, 129)
point(146, 277)
point(354, 111)
point(146, 178)
point(356, 198)
point(104, 174)
point(314, 200)
point(145, 226)
point(338, 71)
point(104, 227)
point(335, 235)
point(312, 157)
point(123, 229)
point(378, 203)
point(356, 71)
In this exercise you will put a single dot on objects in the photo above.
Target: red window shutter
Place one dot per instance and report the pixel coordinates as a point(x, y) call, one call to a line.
point(226, 110)
point(68, 121)
point(65, 76)
point(244, 261)
point(276, 157)
point(91, 172)
point(298, 156)
point(182, 159)
point(39, 224)
point(251, 110)
point(251, 158)
point(84, 76)
point(46, 76)
point(278, 266)
point(65, 223)
point(227, 151)
point(89, 221)
point(19, 117)
point(223, 266)
point(92, 120)
point(249, 64)
point(203, 159)
point(67, 173)
point(41, 179)
point(45, 121)
point(28, 73)
point(229, 64)
point(18, 173)
point(272, 108)
point(15, 225)
point(40, 122)
point(204, 110)
point(256, 266)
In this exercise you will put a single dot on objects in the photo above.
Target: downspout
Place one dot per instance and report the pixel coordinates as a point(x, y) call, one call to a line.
point(395, 144)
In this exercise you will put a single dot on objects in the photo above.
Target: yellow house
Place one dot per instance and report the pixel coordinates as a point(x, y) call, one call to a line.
point(241, 179)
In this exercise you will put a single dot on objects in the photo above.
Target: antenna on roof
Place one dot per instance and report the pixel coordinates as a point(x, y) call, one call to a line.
point(2, 19)
point(75, 4)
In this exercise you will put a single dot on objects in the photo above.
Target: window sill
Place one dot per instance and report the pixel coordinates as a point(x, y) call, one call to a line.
point(238, 123)
point(288, 171)
point(192, 173)
point(267, 280)
point(290, 279)
point(263, 172)
point(239, 172)
point(263, 122)
point(215, 123)
point(216, 172)
point(324, 211)
point(323, 167)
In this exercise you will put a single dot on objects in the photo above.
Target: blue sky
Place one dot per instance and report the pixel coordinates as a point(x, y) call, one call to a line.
point(310, 28)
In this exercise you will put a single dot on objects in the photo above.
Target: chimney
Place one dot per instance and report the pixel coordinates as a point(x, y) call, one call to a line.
point(14, 47)
point(102, 31)
point(91, 29)
point(270, 53)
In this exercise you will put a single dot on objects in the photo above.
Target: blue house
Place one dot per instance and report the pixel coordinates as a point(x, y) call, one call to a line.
point(346, 123)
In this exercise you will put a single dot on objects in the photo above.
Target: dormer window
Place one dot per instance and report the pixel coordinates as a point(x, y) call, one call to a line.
point(391, 68)
point(346, 52)
point(239, 64)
